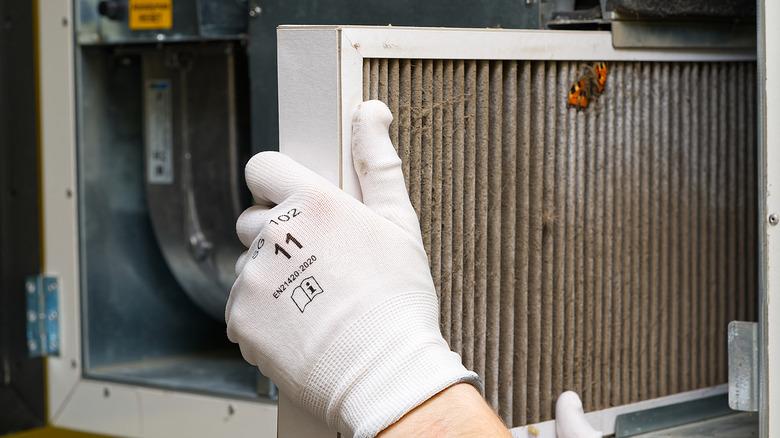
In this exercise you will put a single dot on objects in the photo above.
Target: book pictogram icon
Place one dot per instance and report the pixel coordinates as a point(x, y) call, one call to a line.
point(305, 292)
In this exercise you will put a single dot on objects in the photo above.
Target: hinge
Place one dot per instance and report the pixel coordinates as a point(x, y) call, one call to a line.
point(743, 365)
point(43, 316)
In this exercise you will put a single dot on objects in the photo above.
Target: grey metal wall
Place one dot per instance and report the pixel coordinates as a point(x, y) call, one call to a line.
point(602, 251)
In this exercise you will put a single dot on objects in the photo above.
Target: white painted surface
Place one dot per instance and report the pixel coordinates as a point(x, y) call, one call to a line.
point(127, 410)
point(58, 175)
point(351, 82)
point(169, 413)
point(769, 129)
point(306, 112)
point(89, 409)
point(455, 43)
point(294, 422)
point(308, 71)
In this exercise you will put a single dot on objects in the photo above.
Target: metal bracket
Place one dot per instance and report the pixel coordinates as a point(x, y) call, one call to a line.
point(630, 34)
point(43, 316)
point(743, 366)
point(666, 417)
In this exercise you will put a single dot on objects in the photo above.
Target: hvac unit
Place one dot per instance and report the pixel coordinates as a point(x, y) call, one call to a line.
point(602, 249)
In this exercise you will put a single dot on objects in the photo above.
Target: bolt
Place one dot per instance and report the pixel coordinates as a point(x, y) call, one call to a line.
point(774, 219)
point(160, 37)
point(255, 11)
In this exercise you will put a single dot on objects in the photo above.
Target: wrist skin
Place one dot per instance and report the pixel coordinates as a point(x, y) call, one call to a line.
point(458, 411)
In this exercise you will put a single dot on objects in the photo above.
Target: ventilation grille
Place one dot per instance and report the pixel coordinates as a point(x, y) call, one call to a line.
point(603, 251)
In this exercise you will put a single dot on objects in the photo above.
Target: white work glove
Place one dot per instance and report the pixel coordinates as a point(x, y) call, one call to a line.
point(570, 419)
point(334, 300)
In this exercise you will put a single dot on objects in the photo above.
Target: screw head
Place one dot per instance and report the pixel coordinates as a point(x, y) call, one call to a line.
point(774, 219)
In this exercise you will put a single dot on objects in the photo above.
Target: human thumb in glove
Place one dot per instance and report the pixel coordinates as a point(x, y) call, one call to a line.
point(334, 299)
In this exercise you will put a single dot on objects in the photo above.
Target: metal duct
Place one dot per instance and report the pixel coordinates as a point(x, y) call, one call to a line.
point(602, 251)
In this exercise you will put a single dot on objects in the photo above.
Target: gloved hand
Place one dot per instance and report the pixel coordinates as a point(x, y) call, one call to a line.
point(334, 300)
point(570, 421)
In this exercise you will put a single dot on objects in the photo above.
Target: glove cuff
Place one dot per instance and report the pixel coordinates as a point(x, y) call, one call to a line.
point(388, 362)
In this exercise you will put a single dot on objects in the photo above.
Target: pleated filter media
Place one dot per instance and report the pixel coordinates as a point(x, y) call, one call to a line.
point(603, 251)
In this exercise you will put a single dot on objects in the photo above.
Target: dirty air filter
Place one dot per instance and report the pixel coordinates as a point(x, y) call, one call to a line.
point(603, 250)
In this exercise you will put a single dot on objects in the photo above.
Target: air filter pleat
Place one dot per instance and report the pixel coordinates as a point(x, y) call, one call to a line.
point(533, 311)
point(494, 215)
point(469, 214)
point(508, 241)
point(602, 250)
point(458, 205)
point(481, 237)
point(522, 258)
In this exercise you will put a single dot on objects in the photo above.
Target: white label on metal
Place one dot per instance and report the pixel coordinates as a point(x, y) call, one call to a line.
point(159, 131)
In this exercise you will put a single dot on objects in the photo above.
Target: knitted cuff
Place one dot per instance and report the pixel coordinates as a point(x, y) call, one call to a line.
point(388, 362)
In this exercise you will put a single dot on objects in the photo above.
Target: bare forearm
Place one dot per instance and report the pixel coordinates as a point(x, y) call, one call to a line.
point(458, 411)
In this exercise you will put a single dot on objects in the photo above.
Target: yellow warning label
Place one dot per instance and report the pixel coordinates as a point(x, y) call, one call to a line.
point(150, 14)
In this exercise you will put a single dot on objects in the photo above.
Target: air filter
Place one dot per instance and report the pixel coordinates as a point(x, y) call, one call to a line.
point(602, 250)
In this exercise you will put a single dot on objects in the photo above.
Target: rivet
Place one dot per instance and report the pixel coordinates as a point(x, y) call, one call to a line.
point(106, 392)
point(774, 219)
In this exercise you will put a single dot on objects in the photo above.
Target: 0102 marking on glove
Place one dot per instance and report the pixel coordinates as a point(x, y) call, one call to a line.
point(304, 293)
point(291, 213)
